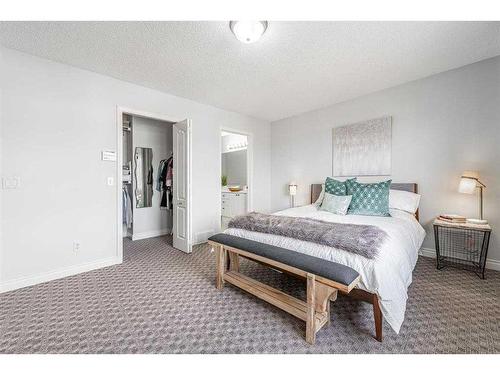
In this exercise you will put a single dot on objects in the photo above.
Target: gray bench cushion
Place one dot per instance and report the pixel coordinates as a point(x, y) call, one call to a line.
point(321, 267)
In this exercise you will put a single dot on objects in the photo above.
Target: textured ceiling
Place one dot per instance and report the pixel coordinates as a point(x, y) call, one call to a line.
point(295, 67)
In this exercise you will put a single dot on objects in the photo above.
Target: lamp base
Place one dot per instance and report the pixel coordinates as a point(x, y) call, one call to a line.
point(477, 221)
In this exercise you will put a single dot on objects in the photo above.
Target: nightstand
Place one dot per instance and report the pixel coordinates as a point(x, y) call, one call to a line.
point(463, 246)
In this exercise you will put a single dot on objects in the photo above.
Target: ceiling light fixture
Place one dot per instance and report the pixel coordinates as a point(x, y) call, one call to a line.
point(248, 31)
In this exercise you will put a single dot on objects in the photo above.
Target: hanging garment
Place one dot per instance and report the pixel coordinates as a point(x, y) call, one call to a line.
point(170, 183)
point(164, 204)
point(127, 208)
point(165, 180)
point(170, 172)
point(170, 198)
point(159, 181)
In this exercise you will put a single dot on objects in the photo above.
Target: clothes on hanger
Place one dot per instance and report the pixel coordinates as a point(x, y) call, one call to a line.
point(159, 181)
point(170, 172)
point(164, 183)
point(169, 178)
point(127, 207)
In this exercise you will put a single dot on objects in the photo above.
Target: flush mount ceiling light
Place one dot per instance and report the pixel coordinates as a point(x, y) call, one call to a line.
point(248, 31)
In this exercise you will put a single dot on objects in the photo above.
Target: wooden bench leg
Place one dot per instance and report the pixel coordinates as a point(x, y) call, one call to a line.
point(319, 296)
point(311, 309)
point(324, 294)
point(221, 266)
point(377, 314)
point(234, 262)
point(328, 314)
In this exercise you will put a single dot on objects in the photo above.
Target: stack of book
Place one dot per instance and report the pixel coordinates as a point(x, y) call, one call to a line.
point(452, 218)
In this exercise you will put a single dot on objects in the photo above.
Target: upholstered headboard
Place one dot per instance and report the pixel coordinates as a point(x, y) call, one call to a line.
point(411, 187)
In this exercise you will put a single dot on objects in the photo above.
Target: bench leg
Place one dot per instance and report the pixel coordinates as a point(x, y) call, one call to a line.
point(311, 309)
point(323, 296)
point(377, 314)
point(328, 315)
point(234, 262)
point(220, 266)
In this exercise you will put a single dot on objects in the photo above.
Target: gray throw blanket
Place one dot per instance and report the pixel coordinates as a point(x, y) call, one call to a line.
point(364, 240)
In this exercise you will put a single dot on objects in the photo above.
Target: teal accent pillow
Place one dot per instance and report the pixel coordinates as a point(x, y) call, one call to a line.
point(336, 204)
point(336, 187)
point(369, 199)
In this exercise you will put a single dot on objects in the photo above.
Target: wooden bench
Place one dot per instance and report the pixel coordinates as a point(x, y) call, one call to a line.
point(324, 278)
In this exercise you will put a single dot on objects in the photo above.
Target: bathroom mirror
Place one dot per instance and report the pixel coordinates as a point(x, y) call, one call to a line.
point(143, 177)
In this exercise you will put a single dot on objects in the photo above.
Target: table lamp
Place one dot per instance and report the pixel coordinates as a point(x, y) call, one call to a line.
point(292, 190)
point(469, 182)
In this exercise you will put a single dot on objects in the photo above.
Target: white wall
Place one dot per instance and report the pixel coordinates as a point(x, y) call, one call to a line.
point(442, 125)
point(56, 120)
point(157, 135)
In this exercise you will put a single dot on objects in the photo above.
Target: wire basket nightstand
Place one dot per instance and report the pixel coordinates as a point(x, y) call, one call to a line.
point(463, 246)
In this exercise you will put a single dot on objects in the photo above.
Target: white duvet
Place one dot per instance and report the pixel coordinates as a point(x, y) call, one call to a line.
point(388, 275)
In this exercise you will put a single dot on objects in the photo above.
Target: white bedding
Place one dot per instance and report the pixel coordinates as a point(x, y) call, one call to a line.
point(389, 275)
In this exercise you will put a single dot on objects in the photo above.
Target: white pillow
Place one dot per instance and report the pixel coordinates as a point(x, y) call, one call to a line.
point(336, 204)
point(321, 196)
point(404, 200)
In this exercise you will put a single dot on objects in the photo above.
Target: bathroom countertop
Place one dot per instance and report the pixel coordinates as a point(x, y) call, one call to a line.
point(226, 190)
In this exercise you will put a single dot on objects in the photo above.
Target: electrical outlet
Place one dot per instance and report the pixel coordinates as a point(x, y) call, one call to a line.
point(76, 246)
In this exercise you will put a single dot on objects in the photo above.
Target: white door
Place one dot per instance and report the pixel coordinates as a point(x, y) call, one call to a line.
point(181, 184)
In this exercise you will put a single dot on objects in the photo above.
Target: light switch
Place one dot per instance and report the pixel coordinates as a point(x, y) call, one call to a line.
point(11, 182)
point(108, 155)
point(111, 181)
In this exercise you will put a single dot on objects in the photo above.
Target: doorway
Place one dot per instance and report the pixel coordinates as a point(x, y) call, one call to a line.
point(153, 177)
point(235, 176)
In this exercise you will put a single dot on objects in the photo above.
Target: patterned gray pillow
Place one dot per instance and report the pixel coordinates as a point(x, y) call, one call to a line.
point(336, 204)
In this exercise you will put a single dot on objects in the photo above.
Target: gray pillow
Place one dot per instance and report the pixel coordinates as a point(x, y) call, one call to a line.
point(336, 204)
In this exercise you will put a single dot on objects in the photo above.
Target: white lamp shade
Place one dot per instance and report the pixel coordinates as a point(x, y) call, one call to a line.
point(292, 188)
point(467, 185)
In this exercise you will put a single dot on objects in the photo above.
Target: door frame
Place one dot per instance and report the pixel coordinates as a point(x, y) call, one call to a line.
point(249, 136)
point(120, 111)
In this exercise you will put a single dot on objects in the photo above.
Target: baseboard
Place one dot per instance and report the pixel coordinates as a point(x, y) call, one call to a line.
point(428, 253)
point(150, 234)
point(202, 237)
point(22, 282)
point(200, 242)
point(491, 264)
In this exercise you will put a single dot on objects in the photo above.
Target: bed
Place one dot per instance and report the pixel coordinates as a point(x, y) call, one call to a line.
point(385, 280)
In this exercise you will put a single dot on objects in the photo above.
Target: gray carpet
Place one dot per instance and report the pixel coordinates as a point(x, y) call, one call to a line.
point(163, 301)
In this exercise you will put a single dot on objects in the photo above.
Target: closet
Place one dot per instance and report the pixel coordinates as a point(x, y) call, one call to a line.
point(147, 177)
